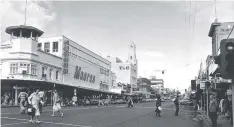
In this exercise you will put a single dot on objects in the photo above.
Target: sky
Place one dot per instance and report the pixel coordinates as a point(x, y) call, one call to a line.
point(171, 36)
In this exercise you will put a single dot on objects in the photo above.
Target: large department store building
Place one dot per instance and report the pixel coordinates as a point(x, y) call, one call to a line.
point(29, 62)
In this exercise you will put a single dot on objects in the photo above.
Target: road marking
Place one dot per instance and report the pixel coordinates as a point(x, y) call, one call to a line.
point(168, 109)
point(66, 109)
point(13, 124)
point(74, 125)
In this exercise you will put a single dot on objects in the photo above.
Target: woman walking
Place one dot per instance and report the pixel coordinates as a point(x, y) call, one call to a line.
point(34, 100)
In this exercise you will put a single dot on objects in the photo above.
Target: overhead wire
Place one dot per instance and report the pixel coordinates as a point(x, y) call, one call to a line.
point(194, 20)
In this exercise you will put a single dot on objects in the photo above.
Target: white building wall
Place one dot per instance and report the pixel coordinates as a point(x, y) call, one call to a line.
point(85, 67)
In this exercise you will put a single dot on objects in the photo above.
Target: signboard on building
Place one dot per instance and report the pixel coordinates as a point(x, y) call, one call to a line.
point(123, 67)
point(202, 84)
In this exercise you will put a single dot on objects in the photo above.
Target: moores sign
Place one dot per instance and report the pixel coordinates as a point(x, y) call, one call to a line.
point(79, 74)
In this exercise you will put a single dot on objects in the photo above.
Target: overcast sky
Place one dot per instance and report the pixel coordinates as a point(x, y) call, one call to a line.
point(168, 35)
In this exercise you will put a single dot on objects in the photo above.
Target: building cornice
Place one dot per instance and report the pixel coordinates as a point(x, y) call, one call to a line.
point(23, 53)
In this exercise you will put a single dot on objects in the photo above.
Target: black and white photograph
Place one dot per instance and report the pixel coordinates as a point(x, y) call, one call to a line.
point(117, 63)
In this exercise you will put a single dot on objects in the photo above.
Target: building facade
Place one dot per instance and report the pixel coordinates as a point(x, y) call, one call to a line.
point(157, 85)
point(30, 62)
point(81, 67)
point(126, 72)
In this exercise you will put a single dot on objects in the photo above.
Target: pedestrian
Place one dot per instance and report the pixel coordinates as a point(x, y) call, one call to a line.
point(6, 99)
point(74, 99)
point(41, 94)
point(158, 106)
point(213, 108)
point(34, 100)
point(221, 106)
point(176, 102)
point(23, 96)
point(56, 103)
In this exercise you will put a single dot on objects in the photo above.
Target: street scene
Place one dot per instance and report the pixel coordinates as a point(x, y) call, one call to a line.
point(113, 116)
point(117, 63)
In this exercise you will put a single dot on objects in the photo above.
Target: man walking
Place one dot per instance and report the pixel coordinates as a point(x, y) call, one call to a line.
point(56, 104)
point(213, 107)
point(176, 102)
point(41, 94)
point(74, 99)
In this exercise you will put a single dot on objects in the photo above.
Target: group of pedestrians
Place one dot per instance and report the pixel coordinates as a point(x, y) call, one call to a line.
point(225, 107)
point(159, 106)
point(33, 104)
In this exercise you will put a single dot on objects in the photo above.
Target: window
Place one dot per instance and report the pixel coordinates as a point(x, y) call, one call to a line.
point(39, 45)
point(43, 70)
point(33, 69)
point(14, 68)
point(57, 75)
point(47, 47)
point(50, 74)
point(55, 46)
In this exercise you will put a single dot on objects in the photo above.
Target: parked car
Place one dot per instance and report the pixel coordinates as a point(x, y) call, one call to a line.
point(120, 101)
point(113, 101)
point(94, 102)
point(186, 102)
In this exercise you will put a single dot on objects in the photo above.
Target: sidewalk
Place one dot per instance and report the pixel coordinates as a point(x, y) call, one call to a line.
point(223, 122)
point(205, 121)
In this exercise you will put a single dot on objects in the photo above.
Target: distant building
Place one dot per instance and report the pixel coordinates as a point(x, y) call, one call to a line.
point(158, 85)
point(143, 87)
point(126, 72)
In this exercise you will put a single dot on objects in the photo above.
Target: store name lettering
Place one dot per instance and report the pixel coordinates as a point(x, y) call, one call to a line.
point(79, 74)
point(124, 68)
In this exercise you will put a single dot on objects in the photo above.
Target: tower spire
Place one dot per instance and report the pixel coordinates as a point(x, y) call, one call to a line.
point(25, 14)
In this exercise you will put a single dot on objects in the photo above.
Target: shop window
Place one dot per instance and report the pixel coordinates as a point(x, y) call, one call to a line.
point(47, 47)
point(55, 46)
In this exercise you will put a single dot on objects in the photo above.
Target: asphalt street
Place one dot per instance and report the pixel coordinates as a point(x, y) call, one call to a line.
point(141, 115)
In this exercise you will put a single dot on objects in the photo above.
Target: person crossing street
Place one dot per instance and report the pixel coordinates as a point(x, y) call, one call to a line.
point(23, 96)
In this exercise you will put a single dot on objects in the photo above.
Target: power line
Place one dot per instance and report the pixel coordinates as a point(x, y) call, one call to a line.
point(185, 14)
point(189, 17)
point(194, 20)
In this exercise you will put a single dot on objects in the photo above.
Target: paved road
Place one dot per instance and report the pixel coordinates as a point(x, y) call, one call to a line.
point(142, 115)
